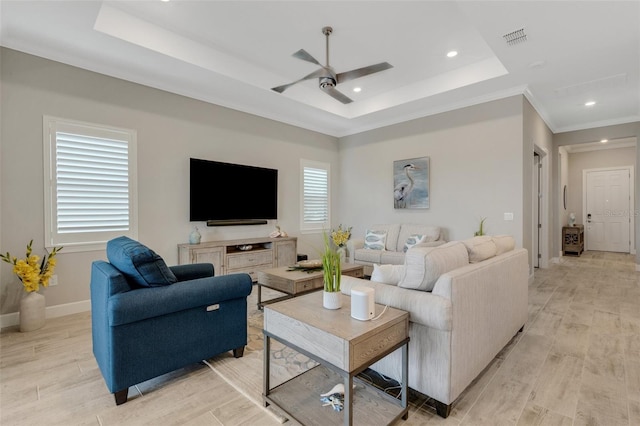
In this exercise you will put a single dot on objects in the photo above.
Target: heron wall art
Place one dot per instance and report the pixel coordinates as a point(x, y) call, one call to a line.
point(411, 183)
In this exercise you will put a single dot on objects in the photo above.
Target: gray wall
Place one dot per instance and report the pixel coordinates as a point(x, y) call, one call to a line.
point(170, 129)
point(476, 156)
point(537, 137)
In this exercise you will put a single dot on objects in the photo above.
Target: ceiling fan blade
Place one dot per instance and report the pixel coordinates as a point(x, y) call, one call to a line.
point(315, 74)
point(306, 56)
point(361, 72)
point(331, 91)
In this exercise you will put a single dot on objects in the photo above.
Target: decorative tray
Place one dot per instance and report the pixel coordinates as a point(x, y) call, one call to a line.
point(307, 265)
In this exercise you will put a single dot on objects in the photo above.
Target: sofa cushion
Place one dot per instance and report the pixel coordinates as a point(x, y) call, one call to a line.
point(504, 243)
point(413, 240)
point(391, 243)
point(424, 265)
point(375, 239)
point(366, 255)
point(387, 274)
point(431, 233)
point(480, 248)
point(138, 263)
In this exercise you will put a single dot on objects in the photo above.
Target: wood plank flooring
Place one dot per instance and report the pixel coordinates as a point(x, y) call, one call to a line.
point(576, 363)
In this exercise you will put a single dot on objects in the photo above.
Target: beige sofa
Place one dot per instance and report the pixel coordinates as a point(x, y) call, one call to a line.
point(472, 311)
point(396, 238)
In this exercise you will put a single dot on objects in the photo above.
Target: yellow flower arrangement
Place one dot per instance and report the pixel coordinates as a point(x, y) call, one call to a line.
point(341, 235)
point(29, 271)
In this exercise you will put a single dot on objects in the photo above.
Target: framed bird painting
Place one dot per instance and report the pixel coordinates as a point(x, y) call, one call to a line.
point(411, 183)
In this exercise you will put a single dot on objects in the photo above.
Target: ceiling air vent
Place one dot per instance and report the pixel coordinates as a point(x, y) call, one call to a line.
point(515, 37)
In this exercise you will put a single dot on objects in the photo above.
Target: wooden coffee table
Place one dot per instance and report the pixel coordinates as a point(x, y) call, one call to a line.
point(296, 283)
point(344, 347)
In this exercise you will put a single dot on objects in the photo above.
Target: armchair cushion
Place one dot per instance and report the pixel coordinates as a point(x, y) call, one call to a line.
point(139, 263)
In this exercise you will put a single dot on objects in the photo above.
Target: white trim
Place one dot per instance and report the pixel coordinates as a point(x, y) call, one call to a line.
point(313, 227)
point(8, 320)
point(84, 241)
point(543, 243)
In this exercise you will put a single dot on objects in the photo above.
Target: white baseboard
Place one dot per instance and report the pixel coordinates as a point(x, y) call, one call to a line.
point(8, 320)
point(555, 260)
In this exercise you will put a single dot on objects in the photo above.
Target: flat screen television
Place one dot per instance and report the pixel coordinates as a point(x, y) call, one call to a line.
point(231, 192)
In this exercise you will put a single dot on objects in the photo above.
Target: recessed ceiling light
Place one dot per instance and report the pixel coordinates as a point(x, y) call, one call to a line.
point(604, 140)
point(357, 89)
point(452, 54)
point(590, 103)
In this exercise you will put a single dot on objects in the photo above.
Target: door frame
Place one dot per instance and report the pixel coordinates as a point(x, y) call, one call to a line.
point(544, 188)
point(632, 192)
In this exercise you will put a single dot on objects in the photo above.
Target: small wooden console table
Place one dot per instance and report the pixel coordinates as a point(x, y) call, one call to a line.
point(573, 240)
point(344, 347)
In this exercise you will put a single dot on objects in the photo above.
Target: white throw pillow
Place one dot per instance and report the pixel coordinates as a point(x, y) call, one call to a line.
point(387, 274)
point(424, 265)
point(413, 240)
point(375, 240)
point(504, 243)
point(480, 248)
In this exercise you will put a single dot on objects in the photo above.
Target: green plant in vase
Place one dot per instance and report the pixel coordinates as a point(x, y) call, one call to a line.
point(331, 268)
point(480, 231)
point(332, 272)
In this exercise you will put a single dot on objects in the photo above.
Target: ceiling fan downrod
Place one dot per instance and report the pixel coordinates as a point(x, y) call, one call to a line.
point(327, 32)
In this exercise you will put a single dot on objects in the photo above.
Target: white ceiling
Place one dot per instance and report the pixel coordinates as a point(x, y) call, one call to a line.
point(232, 52)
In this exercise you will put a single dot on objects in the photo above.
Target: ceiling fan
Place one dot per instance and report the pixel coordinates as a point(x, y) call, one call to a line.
point(327, 77)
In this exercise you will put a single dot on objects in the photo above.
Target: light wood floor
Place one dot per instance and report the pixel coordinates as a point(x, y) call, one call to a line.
point(576, 363)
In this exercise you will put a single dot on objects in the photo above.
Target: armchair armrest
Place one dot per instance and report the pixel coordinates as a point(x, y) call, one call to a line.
point(144, 303)
point(193, 271)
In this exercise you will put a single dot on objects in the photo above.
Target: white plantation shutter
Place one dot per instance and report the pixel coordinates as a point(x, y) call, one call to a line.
point(315, 195)
point(91, 184)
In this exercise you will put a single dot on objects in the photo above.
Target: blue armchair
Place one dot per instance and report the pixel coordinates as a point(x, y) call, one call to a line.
point(143, 329)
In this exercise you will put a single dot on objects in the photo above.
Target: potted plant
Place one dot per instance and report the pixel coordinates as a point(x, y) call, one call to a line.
point(32, 274)
point(480, 232)
point(331, 297)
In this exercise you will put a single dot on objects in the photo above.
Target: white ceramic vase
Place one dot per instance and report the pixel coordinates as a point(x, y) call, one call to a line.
point(331, 299)
point(32, 311)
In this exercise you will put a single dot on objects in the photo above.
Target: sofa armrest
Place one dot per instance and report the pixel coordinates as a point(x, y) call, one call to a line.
point(144, 303)
point(424, 308)
point(193, 271)
point(354, 244)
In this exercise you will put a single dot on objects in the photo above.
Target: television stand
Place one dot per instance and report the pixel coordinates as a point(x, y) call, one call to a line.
point(235, 222)
point(231, 256)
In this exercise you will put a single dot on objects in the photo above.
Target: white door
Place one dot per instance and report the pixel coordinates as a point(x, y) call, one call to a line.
point(607, 201)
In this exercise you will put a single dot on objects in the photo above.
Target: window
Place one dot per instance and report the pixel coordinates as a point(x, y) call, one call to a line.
point(90, 184)
point(315, 196)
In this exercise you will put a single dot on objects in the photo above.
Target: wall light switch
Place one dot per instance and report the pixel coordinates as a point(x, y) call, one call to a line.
point(508, 216)
point(53, 280)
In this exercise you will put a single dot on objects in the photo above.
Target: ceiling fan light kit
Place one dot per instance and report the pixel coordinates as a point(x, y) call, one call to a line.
point(327, 77)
